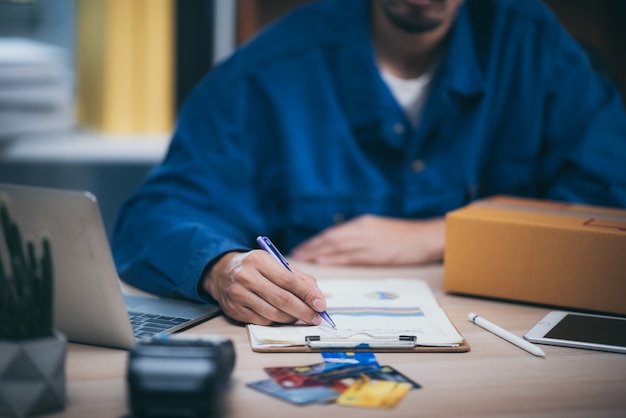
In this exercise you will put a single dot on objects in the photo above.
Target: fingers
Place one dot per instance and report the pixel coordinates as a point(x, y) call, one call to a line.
point(343, 257)
point(254, 287)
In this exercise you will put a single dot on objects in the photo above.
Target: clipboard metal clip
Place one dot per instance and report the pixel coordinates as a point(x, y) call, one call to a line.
point(403, 341)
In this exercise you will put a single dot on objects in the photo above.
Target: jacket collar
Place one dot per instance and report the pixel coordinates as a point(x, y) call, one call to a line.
point(460, 67)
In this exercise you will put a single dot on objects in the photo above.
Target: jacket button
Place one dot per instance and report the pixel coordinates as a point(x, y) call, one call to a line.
point(398, 128)
point(418, 166)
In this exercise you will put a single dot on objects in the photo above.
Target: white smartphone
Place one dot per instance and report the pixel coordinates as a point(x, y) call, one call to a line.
point(580, 330)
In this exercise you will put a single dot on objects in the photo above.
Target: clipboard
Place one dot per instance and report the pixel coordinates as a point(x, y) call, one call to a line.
point(380, 315)
point(404, 344)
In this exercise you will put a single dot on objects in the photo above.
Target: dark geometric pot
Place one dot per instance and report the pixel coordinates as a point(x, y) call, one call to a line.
point(32, 376)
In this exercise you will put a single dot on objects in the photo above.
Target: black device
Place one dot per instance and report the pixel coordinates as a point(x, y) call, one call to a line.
point(580, 330)
point(179, 375)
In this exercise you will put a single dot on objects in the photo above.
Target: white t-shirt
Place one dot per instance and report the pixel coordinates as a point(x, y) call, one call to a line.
point(410, 93)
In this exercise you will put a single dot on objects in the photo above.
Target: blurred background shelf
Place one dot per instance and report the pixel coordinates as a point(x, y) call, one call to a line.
point(109, 166)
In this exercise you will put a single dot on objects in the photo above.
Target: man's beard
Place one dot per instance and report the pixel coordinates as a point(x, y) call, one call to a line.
point(416, 22)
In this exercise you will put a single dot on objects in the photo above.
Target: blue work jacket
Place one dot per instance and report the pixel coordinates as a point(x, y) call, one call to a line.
point(297, 131)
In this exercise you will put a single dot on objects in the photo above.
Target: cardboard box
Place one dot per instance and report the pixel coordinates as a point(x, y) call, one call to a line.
point(564, 255)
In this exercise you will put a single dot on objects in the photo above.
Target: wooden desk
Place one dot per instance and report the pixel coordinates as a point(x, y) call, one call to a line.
point(495, 379)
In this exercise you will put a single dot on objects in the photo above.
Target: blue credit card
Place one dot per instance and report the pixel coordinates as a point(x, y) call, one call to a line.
point(351, 357)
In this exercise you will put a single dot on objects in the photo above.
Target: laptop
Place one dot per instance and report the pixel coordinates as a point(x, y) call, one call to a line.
point(90, 305)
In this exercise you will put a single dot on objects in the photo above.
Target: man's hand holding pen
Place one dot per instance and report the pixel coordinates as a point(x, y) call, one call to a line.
point(252, 287)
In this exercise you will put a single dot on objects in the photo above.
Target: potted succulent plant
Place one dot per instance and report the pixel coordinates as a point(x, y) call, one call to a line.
point(32, 352)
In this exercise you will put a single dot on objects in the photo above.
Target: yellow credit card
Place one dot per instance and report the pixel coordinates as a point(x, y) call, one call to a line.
point(370, 393)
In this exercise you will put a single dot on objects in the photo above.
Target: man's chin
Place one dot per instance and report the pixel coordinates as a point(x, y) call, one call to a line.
point(415, 16)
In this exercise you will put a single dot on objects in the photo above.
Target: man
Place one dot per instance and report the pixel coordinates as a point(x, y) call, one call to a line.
point(347, 130)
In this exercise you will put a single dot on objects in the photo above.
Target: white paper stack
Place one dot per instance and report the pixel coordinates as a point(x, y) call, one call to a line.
point(36, 88)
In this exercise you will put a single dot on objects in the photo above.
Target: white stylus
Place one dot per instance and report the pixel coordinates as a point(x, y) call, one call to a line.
point(502, 333)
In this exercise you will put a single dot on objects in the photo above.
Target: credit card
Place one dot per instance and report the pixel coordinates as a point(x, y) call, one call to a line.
point(371, 393)
point(296, 396)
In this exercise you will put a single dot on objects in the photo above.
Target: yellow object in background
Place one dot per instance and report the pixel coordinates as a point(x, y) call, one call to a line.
point(126, 65)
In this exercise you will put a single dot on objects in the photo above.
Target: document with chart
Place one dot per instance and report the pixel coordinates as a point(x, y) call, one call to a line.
point(371, 314)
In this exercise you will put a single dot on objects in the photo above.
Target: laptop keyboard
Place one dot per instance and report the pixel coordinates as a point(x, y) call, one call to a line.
point(147, 325)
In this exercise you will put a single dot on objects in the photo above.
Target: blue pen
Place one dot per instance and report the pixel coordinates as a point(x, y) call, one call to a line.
point(267, 245)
